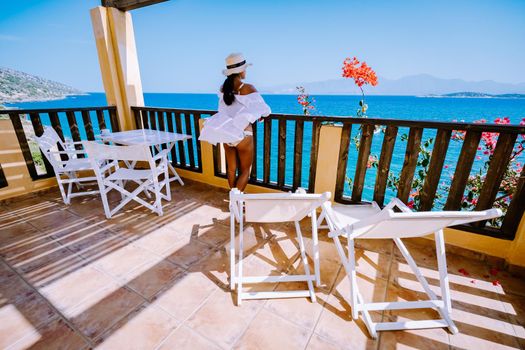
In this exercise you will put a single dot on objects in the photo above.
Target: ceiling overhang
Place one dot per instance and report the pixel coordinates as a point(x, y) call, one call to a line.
point(127, 5)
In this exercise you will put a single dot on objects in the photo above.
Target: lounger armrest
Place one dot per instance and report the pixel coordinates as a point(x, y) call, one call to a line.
point(396, 202)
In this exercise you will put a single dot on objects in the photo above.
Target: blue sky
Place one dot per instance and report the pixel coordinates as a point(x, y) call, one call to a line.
point(182, 43)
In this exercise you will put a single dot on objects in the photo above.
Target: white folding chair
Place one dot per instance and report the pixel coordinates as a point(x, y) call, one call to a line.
point(111, 176)
point(66, 163)
point(370, 222)
point(268, 208)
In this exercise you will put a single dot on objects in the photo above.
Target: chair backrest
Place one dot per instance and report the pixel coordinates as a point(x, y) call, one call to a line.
point(389, 224)
point(276, 207)
point(48, 143)
point(102, 152)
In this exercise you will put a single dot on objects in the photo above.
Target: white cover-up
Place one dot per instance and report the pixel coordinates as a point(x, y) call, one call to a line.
point(227, 126)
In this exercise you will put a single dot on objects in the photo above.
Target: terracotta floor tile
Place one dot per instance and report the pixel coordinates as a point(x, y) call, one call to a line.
point(416, 339)
point(30, 205)
point(51, 220)
point(187, 252)
point(55, 335)
point(16, 292)
point(14, 325)
point(213, 234)
point(18, 238)
point(9, 217)
point(268, 331)
point(221, 321)
point(185, 295)
point(131, 223)
point(216, 267)
point(318, 343)
point(122, 261)
point(91, 242)
point(72, 289)
point(185, 339)
point(336, 325)
point(87, 207)
point(144, 328)
point(300, 311)
point(163, 239)
point(102, 310)
point(329, 270)
point(514, 306)
point(479, 329)
point(156, 278)
point(45, 261)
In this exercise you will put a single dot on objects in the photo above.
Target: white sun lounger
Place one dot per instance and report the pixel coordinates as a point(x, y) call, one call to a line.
point(370, 222)
point(268, 208)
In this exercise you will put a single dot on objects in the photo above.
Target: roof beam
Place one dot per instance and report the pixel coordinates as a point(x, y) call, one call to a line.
point(127, 5)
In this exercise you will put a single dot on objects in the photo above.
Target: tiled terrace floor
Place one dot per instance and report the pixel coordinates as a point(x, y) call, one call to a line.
point(71, 279)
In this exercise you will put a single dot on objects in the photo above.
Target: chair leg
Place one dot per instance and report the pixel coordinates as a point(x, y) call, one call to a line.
point(353, 279)
point(62, 190)
point(443, 277)
point(315, 242)
point(305, 260)
point(167, 182)
point(158, 199)
point(367, 319)
point(69, 191)
point(241, 250)
point(232, 248)
point(105, 204)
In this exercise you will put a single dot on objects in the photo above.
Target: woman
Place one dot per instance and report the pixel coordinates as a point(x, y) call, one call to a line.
point(240, 105)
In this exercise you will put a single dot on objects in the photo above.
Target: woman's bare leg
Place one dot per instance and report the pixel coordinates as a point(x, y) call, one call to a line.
point(231, 164)
point(245, 152)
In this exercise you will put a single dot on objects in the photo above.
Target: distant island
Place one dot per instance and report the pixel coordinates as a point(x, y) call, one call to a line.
point(469, 94)
point(16, 86)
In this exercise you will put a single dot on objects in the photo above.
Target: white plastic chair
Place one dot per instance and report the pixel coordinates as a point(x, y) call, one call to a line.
point(268, 208)
point(111, 176)
point(66, 163)
point(370, 222)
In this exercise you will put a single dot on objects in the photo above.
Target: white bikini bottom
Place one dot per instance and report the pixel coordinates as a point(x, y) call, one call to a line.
point(246, 133)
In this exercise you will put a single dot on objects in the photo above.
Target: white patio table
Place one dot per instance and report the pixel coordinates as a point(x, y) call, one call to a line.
point(152, 138)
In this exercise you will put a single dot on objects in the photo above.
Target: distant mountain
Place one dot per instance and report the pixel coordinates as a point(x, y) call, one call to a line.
point(16, 86)
point(414, 85)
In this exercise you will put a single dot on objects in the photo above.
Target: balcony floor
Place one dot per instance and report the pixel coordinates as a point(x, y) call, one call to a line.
point(71, 279)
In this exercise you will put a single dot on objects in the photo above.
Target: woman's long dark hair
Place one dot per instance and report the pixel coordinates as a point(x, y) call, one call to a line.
point(227, 89)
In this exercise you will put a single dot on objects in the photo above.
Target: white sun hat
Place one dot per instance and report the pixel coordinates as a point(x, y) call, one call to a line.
point(235, 63)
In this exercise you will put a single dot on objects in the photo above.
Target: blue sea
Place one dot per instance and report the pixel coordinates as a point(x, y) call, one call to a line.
point(395, 107)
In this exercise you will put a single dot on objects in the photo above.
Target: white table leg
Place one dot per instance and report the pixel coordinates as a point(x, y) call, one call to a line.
point(175, 176)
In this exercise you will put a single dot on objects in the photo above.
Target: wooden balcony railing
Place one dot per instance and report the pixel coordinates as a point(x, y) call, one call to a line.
point(186, 154)
point(378, 158)
point(75, 123)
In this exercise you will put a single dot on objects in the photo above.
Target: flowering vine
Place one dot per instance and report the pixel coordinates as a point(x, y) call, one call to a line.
point(305, 100)
point(362, 74)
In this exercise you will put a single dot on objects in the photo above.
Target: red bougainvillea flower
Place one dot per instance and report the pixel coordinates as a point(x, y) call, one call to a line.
point(463, 272)
point(359, 71)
